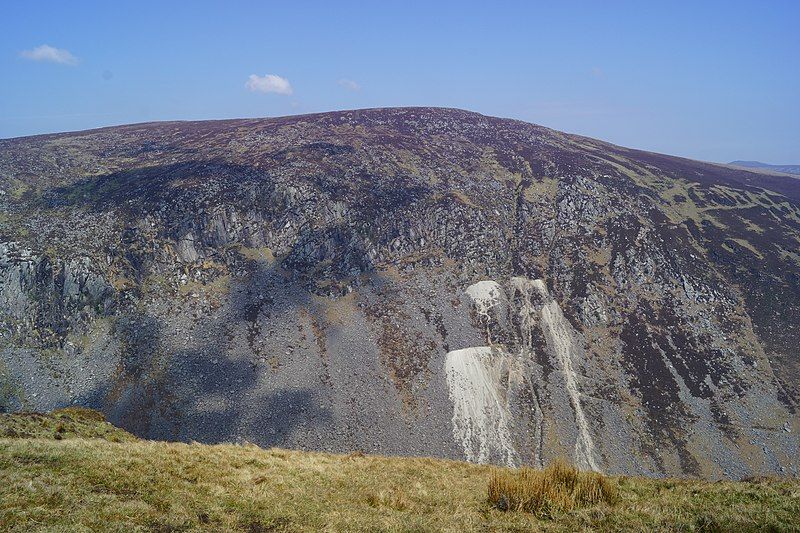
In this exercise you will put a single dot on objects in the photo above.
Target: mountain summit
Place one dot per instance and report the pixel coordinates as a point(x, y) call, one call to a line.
point(413, 281)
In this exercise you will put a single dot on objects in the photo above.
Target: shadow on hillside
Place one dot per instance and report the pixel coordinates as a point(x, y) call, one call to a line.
point(151, 184)
point(213, 389)
point(203, 378)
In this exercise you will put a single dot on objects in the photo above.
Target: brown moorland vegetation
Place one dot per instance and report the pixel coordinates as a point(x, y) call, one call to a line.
point(556, 489)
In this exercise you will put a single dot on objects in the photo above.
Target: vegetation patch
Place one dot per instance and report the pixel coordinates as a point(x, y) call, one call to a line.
point(263, 253)
point(557, 489)
point(67, 423)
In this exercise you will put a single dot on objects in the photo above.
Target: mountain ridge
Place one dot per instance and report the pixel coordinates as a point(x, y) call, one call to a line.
point(250, 120)
point(377, 111)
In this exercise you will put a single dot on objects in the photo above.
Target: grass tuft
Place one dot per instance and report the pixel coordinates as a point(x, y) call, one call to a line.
point(558, 488)
point(392, 499)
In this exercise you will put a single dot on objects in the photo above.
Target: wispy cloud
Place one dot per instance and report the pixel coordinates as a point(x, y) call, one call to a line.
point(269, 83)
point(48, 53)
point(350, 85)
point(597, 72)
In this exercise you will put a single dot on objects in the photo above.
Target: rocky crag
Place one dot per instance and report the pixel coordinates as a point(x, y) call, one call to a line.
point(406, 281)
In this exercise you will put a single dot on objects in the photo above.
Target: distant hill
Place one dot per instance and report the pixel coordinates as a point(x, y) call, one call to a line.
point(789, 169)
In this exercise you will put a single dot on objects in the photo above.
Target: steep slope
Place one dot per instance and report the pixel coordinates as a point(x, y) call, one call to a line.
point(406, 281)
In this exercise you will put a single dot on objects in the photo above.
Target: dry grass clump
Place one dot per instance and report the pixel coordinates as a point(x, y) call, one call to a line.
point(558, 488)
point(393, 499)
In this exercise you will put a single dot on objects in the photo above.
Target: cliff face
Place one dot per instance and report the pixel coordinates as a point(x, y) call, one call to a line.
point(406, 281)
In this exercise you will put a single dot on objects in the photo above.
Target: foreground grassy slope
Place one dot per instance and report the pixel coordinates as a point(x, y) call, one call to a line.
point(96, 484)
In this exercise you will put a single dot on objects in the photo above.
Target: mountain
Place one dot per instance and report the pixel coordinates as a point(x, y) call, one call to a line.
point(786, 169)
point(410, 281)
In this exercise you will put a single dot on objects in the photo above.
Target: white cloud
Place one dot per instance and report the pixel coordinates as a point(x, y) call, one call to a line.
point(269, 83)
point(350, 85)
point(48, 53)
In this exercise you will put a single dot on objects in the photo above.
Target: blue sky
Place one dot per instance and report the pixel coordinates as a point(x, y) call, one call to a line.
point(708, 80)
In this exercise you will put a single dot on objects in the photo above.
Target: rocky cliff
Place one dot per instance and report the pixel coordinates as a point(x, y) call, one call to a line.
point(406, 281)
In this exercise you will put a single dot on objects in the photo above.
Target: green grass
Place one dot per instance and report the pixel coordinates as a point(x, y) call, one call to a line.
point(90, 484)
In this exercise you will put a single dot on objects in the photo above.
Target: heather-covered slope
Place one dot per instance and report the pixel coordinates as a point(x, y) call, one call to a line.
point(407, 281)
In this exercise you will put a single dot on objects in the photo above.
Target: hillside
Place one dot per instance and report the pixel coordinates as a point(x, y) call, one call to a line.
point(87, 482)
point(414, 281)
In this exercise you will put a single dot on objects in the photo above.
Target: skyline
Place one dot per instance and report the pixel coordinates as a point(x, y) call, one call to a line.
point(716, 82)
